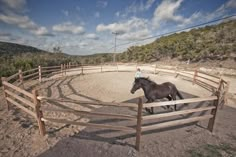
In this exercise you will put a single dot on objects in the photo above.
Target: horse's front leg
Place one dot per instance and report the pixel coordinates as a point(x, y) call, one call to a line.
point(150, 111)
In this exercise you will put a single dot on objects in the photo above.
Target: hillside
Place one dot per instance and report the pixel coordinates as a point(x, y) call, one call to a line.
point(14, 49)
point(217, 42)
point(15, 56)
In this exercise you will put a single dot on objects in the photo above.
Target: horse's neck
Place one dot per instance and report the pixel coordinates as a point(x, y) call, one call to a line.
point(146, 87)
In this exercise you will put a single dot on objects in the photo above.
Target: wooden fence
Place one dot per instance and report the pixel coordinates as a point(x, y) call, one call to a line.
point(30, 102)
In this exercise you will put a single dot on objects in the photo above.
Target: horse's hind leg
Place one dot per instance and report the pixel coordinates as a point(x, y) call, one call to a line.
point(174, 98)
point(152, 110)
point(169, 98)
point(148, 110)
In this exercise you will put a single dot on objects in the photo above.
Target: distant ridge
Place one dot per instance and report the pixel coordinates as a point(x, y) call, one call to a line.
point(13, 48)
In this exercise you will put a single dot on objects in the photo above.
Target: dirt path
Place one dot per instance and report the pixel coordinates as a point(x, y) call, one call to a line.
point(19, 133)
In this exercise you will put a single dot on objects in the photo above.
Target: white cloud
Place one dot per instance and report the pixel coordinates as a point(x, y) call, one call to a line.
point(132, 29)
point(91, 36)
point(5, 34)
point(12, 14)
point(117, 14)
point(97, 14)
point(83, 44)
point(102, 3)
point(123, 27)
point(65, 12)
point(195, 16)
point(24, 22)
point(149, 4)
point(138, 7)
point(77, 8)
point(8, 37)
point(68, 27)
point(166, 12)
point(16, 5)
point(114, 27)
point(208, 16)
point(135, 35)
point(231, 4)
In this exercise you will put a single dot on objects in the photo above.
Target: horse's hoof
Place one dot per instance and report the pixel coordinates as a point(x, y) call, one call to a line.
point(148, 110)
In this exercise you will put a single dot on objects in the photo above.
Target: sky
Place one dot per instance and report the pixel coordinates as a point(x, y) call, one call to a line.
point(81, 27)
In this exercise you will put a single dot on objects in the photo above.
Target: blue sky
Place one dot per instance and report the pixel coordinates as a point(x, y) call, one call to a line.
point(83, 27)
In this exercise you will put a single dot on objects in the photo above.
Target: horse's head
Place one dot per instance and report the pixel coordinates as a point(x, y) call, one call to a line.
point(136, 85)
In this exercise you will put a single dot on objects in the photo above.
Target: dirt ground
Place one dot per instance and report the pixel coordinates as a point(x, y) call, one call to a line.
point(19, 134)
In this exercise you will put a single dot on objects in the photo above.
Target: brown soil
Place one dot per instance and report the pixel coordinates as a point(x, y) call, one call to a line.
point(19, 133)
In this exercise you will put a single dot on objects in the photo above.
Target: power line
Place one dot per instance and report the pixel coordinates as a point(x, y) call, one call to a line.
point(179, 30)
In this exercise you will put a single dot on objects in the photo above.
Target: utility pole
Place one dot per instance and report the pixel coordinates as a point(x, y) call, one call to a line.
point(114, 55)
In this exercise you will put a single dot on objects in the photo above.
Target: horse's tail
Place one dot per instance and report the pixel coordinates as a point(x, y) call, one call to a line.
point(179, 95)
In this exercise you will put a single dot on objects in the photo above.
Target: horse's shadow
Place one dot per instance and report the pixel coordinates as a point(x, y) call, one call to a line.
point(118, 137)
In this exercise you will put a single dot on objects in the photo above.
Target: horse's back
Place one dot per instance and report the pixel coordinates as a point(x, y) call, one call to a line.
point(168, 84)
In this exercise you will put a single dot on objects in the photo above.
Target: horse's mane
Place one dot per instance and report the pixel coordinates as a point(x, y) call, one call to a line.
point(147, 79)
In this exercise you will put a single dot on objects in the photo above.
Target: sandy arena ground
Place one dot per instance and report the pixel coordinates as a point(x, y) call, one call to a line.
point(19, 132)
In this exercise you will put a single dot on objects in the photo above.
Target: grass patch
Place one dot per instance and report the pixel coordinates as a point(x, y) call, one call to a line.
point(209, 150)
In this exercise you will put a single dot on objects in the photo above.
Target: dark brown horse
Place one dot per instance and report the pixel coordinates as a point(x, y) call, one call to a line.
point(153, 91)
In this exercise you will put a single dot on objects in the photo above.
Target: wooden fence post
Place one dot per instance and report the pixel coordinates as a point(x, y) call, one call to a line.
point(40, 74)
point(220, 85)
point(39, 114)
point(62, 69)
point(69, 65)
point(155, 70)
point(176, 72)
point(139, 124)
point(82, 70)
point(194, 76)
point(65, 69)
point(117, 70)
point(20, 76)
point(226, 95)
point(4, 93)
point(213, 112)
point(220, 91)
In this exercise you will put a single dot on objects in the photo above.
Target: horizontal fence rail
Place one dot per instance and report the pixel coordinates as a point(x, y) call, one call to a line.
point(18, 89)
point(23, 100)
point(103, 126)
point(162, 115)
point(29, 71)
point(15, 76)
point(175, 123)
point(99, 103)
point(183, 101)
point(88, 113)
point(21, 107)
